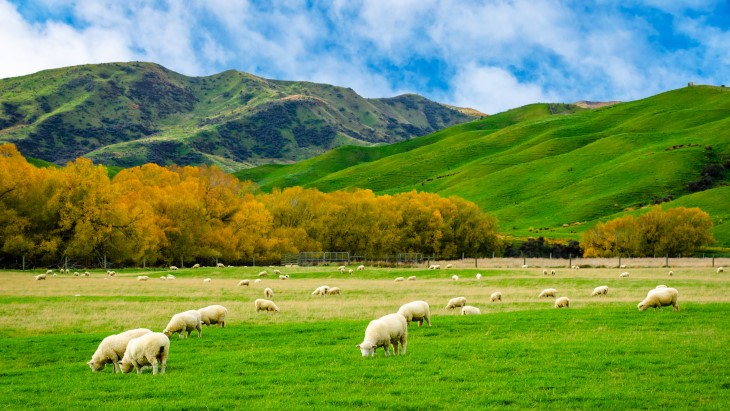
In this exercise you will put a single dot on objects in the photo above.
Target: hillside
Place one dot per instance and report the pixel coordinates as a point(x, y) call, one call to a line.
point(551, 174)
point(126, 114)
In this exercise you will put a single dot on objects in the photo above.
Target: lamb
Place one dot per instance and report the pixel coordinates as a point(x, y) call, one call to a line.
point(341, 269)
point(173, 268)
point(544, 272)
point(40, 277)
point(449, 265)
point(548, 292)
point(622, 266)
point(243, 282)
point(562, 302)
point(277, 272)
point(387, 330)
point(333, 291)
point(213, 314)
point(49, 271)
point(268, 293)
point(601, 290)
point(265, 305)
point(660, 297)
point(399, 279)
point(360, 267)
point(182, 322)
point(416, 311)
point(284, 277)
point(220, 265)
point(321, 290)
point(624, 274)
point(720, 269)
point(196, 266)
point(470, 310)
point(671, 273)
point(112, 348)
point(411, 278)
point(263, 273)
point(149, 349)
point(75, 274)
point(455, 277)
point(456, 302)
point(258, 280)
point(496, 296)
point(206, 280)
point(479, 276)
point(142, 278)
point(350, 271)
point(552, 272)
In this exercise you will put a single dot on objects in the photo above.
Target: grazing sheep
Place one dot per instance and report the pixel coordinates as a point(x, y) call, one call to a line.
point(562, 302)
point(387, 330)
point(720, 269)
point(350, 271)
point(470, 310)
point(333, 291)
point(206, 280)
point(416, 311)
point(479, 276)
point(49, 271)
point(40, 277)
point(321, 290)
point(263, 273)
point(449, 265)
point(243, 282)
point(75, 274)
point(660, 297)
point(455, 277)
point(196, 266)
point(142, 278)
point(575, 267)
point(548, 292)
point(671, 273)
point(600, 290)
point(496, 296)
point(258, 280)
point(284, 277)
point(411, 278)
point(525, 266)
point(399, 279)
point(213, 314)
point(112, 348)
point(622, 266)
point(171, 277)
point(220, 265)
point(173, 268)
point(265, 305)
point(544, 272)
point(341, 269)
point(552, 272)
point(624, 274)
point(277, 272)
point(149, 349)
point(55, 275)
point(360, 267)
point(456, 302)
point(434, 267)
point(186, 321)
point(163, 277)
point(268, 293)
point(111, 273)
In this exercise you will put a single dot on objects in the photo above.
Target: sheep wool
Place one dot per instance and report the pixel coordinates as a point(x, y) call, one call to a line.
point(548, 292)
point(360, 267)
point(416, 311)
point(321, 290)
point(600, 290)
point(470, 310)
point(387, 330)
point(660, 297)
point(149, 349)
point(399, 279)
point(265, 305)
point(40, 277)
point(455, 277)
point(213, 314)
point(562, 302)
point(411, 278)
point(333, 291)
point(496, 296)
point(243, 282)
point(112, 348)
point(184, 322)
point(456, 302)
point(268, 293)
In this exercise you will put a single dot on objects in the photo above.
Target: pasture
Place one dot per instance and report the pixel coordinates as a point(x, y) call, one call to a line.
point(520, 353)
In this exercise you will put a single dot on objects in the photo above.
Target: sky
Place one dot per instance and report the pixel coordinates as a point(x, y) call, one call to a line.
point(488, 55)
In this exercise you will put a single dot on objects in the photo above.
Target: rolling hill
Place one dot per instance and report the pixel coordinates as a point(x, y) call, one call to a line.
point(127, 114)
point(552, 170)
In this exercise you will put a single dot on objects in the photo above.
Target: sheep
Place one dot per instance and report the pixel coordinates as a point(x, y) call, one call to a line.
point(75, 274)
point(350, 271)
point(552, 272)
point(111, 273)
point(622, 266)
point(470, 310)
point(220, 265)
point(163, 277)
point(321, 290)
point(56, 275)
point(186, 321)
point(600, 290)
point(671, 273)
point(112, 348)
point(479, 276)
point(387, 330)
point(263, 273)
point(624, 274)
point(265, 305)
point(243, 282)
point(149, 349)
point(258, 280)
point(142, 278)
point(360, 267)
point(720, 269)
point(525, 266)
point(399, 279)
point(284, 277)
point(660, 297)
point(206, 280)
point(455, 277)
point(171, 277)
point(49, 271)
point(544, 272)
point(496, 296)
point(268, 293)
point(416, 311)
point(449, 265)
point(196, 266)
point(213, 314)
point(341, 269)
point(333, 291)
point(40, 277)
point(548, 292)
point(411, 278)
point(456, 302)
point(173, 268)
point(575, 267)
point(277, 272)
point(562, 302)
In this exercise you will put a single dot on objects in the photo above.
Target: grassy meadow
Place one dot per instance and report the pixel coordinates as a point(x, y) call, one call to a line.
point(520, 353)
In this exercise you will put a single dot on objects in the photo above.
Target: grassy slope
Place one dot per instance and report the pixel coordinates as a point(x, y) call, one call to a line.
point(548, 171)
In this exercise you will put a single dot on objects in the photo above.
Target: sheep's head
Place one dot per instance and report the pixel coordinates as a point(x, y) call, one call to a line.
point(642, 306)
point(367, 349)
point(96, 366)
point(126, 366)
point(167, 332)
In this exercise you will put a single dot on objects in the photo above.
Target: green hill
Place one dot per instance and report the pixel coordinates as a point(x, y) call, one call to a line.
point(548, 174)
point(126, 114)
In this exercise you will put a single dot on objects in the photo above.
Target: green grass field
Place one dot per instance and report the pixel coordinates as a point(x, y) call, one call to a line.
point(520, 353)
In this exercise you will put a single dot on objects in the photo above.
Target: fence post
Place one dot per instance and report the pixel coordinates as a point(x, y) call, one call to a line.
point(666, 261)
point(105, 261)
point(475, 263)
point(23, 262)
point(144, 262)
point(570, 260)
point(619, 261)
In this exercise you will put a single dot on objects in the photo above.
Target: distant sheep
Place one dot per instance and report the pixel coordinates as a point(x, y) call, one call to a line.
point(75, 274)
point(470, 310)
point(256, 281)
point(149, 349)
point(575, 267)
point(196, 266)
point(111, 273)
point(496, 296)
point(341, 269)
point(434, 267)
point(263, 273)
point(624, 274)
point(112, 348)
point(183, 322)
point(416, 311)
point(399, 279)
point(284, 277)
point(449, 265)
point(360, 267)
point(243, 282)
point(622, 266)
point(350, 271)
point(544, 272)
point(548, 292)
point(206, 280)
point(213, 314)
point(173, 268)
point(411, 278)
point(720, 269)
point(171, 277)
point(562, 302)
point(660, 297)
point(552, 272)
point(600, 290)
point(321, 290)
point(277, 272)
point(387, 330)
point(456, 302)
point(455, 277)
point(333, 291)
point(40, 277)
point(268, 293)
point(49, 271)
point(479, 276)
point(163, 277)
point(525, 266)
point(265, 305)
point(220, 265)
point(142, 278)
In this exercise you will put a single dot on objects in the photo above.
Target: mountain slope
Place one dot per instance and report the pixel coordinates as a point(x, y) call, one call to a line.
point(128, 114)
point(552, 174)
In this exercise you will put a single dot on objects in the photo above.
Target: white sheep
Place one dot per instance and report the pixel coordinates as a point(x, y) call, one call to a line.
point(163, 277)
point(399, 279)
point(333, 291)
point(171, 277)
point(142, 278)
point(196, 266)
point(671, 273)
point(112, 348)
point(111, 273)
point(40, 277)
point(360, 267)
point(416, 311)
point(544, 272)
point(213, 314)
point(220, 265)
point(548, 292)
point(479, 276)
point(624, 274)
point(720, 269)
point(243, 282)
point(341, 269)
point(622, 266)
point(456, 302)
point(600, 290)
point(49, 271)
point(186, 321)
point(449, 265)
point(387, 330)
point(434, 267)
point(263, 273)
point(455, 277)
point(258, 280)
point(284, 277)
point(470, 310)
point(173, 268)
point(496, 296)
point(575, 267)
point(552, 272)
point(562, 302)
point(277, 272)
point(660, 297)
point(206, 280)
point(525, 266)
point(265, 305)
point(75, 274)
point(350, 271)
point(149, 349)
point(411, 278)
point(321, 290)
point(268, 293)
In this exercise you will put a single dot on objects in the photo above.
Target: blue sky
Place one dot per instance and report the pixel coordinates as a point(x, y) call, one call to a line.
point(489, 55)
